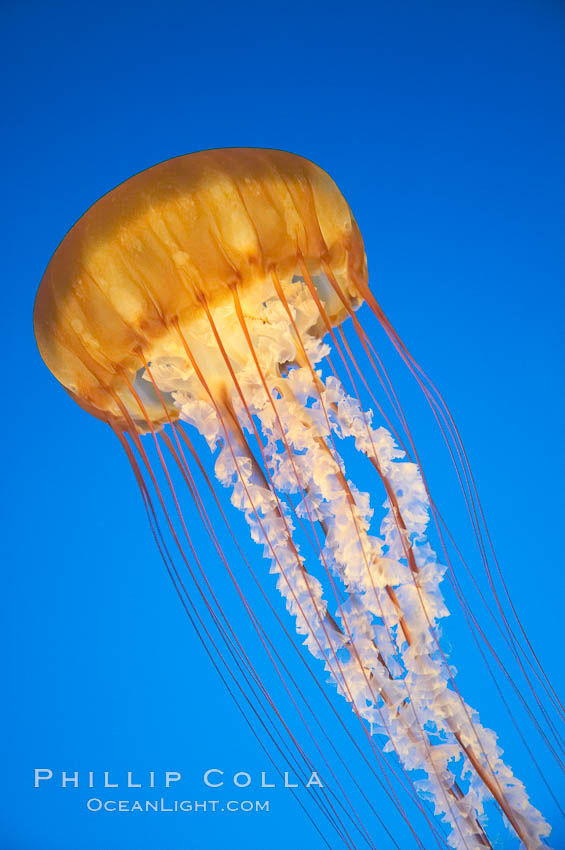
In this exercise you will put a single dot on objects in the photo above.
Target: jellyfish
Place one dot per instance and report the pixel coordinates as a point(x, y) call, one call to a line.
point(200, 310)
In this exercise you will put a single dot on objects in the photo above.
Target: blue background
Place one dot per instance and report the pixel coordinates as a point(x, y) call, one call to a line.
point(442, 123)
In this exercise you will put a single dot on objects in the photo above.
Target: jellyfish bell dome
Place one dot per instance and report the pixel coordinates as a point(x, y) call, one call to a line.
point(156, 261)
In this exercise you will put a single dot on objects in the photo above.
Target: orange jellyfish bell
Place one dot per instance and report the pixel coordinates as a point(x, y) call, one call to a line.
point(171, 242)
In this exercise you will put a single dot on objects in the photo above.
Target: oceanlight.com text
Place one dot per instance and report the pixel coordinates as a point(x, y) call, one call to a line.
point(95, 804)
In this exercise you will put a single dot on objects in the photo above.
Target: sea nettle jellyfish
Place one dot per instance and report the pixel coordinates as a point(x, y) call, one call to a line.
point(218, 292)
